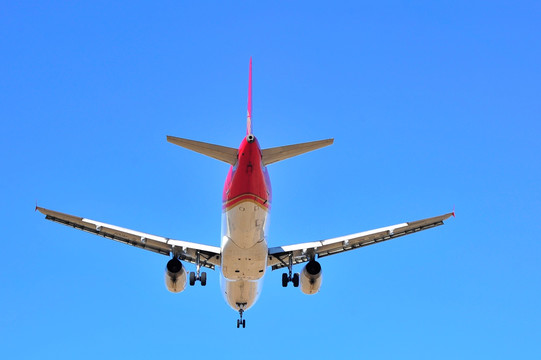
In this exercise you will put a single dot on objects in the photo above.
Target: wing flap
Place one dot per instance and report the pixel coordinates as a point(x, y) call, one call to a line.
point(279, 256)
point(187, 251)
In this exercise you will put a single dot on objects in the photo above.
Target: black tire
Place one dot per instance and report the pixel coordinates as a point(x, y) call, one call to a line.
point(296, 280)
point(285, 280)
point(238, 323)
point(192, 278)
point(203, 279)
point(243, 324)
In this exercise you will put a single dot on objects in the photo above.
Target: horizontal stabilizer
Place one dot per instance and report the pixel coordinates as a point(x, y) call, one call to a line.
point(279, 153)
point(223, 153)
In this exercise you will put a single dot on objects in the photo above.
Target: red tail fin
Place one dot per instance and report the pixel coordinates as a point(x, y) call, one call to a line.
point(249, 116)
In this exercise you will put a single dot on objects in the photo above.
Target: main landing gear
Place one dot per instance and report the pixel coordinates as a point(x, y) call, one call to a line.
point(294, 278)
point(198, 275)
point(241, 321)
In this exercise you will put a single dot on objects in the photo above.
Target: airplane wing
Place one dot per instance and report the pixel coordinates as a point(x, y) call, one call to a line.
point(187, 251)
point(279, 256)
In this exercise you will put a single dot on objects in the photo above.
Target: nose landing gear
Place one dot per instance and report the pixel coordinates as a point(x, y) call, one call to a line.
point(241, 321)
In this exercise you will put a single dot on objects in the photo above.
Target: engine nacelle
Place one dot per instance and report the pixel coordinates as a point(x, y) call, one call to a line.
point(311, 278)
point(175, 276)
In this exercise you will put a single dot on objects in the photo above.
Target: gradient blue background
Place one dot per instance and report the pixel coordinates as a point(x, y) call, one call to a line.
point(431, 106)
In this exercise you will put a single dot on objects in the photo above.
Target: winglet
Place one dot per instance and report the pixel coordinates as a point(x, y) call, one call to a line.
point(249, 115)
point(454, 211)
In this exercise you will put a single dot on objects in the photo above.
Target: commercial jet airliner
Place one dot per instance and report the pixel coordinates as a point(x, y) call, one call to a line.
point(244, 255)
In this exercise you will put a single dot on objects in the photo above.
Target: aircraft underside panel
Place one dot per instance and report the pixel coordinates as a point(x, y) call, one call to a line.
point(244, 264)
point(244, 245)
point(241, 294)
point(244, 253)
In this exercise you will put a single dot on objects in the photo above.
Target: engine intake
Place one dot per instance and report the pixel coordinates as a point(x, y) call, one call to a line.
point(175, 276)
point(311, 278)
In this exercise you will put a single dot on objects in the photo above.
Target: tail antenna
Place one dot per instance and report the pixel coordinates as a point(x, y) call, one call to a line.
point(249, 115)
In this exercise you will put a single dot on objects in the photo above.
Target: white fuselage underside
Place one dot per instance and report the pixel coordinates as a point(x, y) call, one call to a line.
point(244, 253)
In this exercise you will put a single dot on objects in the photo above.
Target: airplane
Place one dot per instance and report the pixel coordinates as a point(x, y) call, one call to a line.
point(244, 256)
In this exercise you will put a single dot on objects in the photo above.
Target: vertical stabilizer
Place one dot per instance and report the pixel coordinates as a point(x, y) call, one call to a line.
point(249, 115)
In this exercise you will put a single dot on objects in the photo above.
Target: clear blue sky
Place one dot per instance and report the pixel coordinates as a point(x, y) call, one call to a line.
point(432, 105)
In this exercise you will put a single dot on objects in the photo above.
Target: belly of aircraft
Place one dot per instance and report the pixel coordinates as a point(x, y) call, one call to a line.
point(244, 246)
point(244, 253)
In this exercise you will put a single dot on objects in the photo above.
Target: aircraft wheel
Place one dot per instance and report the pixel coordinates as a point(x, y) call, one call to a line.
point(192, 278)
point(296, 280)
point(285, 280)
point(243, 324)
point(238, 323)
point(203, 279)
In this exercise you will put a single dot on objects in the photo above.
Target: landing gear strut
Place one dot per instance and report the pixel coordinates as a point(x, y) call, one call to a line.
point(198, 275)
point(241, 322)
point(294, 278)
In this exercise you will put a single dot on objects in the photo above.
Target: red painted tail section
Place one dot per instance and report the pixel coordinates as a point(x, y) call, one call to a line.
point(248, 179)
point(249, 116)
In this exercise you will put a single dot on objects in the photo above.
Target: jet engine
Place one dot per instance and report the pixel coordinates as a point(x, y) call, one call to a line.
point(311, 278)
point(175, 276)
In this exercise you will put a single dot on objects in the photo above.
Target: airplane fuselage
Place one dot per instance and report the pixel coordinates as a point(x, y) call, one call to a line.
point(245, 220)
